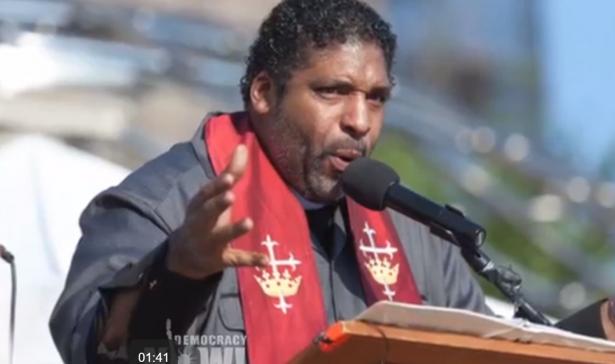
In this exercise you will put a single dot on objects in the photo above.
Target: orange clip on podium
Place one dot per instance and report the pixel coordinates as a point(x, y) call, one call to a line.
point(358, 341)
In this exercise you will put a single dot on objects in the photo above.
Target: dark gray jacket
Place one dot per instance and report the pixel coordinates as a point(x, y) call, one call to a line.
point(124, 225)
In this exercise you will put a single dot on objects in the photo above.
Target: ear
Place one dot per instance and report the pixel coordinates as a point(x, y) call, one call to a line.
point(262, 95)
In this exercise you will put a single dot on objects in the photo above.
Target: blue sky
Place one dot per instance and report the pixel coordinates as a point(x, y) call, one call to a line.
point(578, 64)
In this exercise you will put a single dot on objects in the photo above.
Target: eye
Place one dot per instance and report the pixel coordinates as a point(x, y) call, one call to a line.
point(327, 90)
point(333, 91)
point(379, 98)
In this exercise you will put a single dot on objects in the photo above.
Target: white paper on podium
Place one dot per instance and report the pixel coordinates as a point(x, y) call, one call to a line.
point(430, 318)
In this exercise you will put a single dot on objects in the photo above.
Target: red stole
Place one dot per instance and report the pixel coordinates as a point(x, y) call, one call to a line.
point(282, 304)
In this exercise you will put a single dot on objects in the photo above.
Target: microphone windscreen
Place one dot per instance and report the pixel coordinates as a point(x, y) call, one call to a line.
point(366, 181)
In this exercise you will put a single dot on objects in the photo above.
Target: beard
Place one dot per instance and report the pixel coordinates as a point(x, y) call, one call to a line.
point(301, 164)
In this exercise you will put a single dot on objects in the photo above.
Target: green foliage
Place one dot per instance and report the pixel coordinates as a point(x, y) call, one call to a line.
point(400, 152)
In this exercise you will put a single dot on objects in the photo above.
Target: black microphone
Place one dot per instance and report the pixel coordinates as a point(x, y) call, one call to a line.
point(375, 185)
point(6, 255)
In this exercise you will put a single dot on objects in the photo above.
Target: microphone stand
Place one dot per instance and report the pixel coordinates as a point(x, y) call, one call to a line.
point(504, 278)
point(9, 258)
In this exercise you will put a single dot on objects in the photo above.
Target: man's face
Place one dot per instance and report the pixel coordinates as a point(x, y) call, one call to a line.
point(330, 113)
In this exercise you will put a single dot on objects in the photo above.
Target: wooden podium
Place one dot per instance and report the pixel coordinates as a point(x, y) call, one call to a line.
point(360, 342)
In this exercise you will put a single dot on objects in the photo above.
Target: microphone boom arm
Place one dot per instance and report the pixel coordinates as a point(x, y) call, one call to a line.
point(505, 279)
point(375, 185)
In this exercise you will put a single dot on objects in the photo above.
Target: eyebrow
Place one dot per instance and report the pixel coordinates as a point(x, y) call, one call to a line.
point(384, 90)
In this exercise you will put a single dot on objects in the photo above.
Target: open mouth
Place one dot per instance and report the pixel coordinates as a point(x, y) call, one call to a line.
point(343, 157)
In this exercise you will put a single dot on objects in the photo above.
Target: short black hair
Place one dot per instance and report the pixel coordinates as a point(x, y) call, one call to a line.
point(295, 26)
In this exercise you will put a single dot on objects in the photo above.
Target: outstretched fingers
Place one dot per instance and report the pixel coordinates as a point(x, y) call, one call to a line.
point(225, 181)
point(224, 234)
point(242, 258)
point(238, 163)
point(214, 188)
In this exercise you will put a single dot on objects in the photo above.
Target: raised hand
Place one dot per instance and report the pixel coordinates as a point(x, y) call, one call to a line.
point(200, 247)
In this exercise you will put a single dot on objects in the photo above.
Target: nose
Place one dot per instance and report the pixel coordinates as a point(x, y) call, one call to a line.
point(355, 120)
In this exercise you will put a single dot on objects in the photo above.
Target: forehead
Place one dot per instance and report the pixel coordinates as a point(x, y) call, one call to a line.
point(360, 63)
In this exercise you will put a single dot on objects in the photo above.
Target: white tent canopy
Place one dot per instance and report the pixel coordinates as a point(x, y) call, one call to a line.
point(44, 186)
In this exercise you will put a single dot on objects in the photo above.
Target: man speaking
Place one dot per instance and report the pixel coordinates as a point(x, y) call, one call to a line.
point(242, 236)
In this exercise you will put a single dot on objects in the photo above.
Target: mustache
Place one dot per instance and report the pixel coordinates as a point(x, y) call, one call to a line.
point(353, 144)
